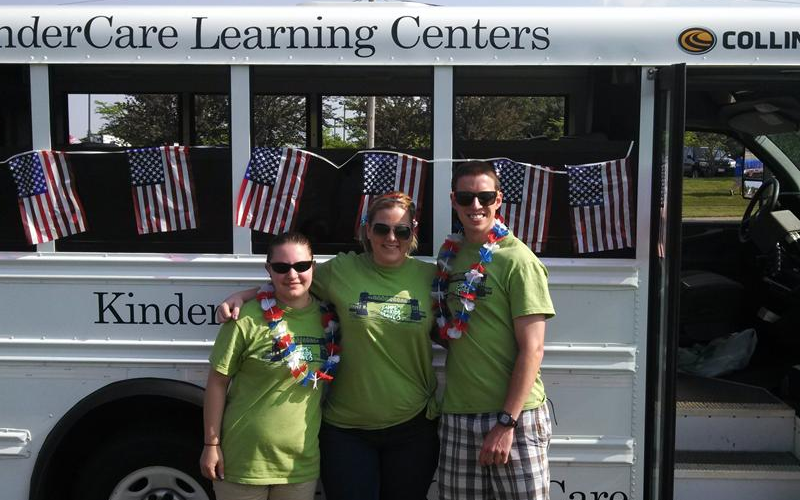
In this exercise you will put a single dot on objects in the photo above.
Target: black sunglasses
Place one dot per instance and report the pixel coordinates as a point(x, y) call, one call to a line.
point(401, 231)
point(464, 198)
point(283, 267)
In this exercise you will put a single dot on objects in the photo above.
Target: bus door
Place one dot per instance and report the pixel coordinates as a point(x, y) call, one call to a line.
point(665, 238)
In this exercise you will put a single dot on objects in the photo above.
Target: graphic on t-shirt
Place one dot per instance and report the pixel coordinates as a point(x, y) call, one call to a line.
point(395, 309)
point(303, 345)
point(481, 289)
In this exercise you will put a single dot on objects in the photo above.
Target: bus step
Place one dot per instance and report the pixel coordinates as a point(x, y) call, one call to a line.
point(717, 415)
point(736, 475)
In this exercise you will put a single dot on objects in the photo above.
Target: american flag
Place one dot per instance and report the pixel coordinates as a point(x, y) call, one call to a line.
point(386, 172)
point(163, 191)
point(48, 204)
point(271, 189)
point(599, 197)
point(527, 197)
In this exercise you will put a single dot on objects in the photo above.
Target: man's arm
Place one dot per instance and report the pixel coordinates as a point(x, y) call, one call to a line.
point(529, 333)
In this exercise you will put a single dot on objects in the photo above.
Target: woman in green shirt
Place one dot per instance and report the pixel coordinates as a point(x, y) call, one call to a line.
point(262, 442)
point(378, 438)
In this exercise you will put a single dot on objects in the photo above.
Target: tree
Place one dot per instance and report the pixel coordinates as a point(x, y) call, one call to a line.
point(142, 119)
point(401, 122)
point(499, 118)
point(279, 120)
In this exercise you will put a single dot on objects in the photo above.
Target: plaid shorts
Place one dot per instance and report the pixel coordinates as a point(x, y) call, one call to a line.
point(525, 476)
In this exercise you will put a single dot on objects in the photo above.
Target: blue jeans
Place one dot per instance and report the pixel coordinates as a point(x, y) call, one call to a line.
point(396, 463)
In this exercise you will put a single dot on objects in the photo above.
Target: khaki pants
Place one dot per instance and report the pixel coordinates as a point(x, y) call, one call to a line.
point(234, 491)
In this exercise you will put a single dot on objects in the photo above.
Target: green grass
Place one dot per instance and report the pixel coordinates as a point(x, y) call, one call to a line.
point(711, 197)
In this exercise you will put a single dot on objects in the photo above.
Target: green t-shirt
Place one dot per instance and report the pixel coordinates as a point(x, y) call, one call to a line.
point(271, 422)
point(479, 365)
point(385, 376)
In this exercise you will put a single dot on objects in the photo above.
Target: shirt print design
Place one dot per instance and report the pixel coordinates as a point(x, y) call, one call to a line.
point(303, 343)
point(391, 308)
point(481, 292)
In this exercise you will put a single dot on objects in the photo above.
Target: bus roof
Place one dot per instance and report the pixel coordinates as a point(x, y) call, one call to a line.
point(179, 32)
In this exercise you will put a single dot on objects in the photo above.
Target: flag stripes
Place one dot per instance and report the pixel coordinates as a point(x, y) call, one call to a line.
point(527, 199)
point(270, 193)
point(162, 188)
point(386, 172)
point(49, 207)
point(600, 206)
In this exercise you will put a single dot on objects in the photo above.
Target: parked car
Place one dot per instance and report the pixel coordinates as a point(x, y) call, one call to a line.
point(698, 161)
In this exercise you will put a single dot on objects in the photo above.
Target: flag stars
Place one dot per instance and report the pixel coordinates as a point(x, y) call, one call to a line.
point(379, 173)
point(28, 175)
point(512, 179)
point(146, 167)
point(585, 185)
point(264, 164)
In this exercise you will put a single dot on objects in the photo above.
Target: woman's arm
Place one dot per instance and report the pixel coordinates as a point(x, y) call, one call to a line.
point(229, 308)
point(212, 464)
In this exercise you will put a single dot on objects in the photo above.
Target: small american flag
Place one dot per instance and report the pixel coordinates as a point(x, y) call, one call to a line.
point(269, 197)
point(48, 204)
point(527, 197)
point(386, 172)
point(599, 199)
point(163, 191)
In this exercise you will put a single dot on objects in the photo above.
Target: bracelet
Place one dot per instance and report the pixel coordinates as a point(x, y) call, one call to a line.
point(211, 444)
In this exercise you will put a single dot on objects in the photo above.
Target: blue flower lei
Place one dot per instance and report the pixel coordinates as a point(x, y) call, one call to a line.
point(454, 327)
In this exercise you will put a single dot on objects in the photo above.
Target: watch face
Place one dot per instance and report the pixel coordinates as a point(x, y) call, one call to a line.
point(505, 419)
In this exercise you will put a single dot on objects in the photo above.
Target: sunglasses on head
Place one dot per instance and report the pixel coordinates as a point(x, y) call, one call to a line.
point(464, 198)
point(283, 267)
point(401, 231)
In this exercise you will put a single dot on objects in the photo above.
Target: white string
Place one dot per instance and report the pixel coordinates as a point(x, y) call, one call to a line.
point(361, 151)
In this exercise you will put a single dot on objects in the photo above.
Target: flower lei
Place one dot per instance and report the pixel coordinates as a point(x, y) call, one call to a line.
point(283, 345)
point(456, 327)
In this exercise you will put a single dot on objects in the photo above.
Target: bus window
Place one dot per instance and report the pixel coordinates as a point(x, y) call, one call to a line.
point(15, 137)
point(509, 118)
point(551, 117)
point(127, 120)
point(279, 120)
point(335, 103)
point(144, 107)
point(212, 118)
point(401, 122)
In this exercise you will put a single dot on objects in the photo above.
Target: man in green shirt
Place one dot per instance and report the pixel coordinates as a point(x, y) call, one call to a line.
point(495, 427)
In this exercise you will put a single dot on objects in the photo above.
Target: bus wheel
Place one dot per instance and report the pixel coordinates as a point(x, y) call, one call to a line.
point(157, 465)
point(158, 483)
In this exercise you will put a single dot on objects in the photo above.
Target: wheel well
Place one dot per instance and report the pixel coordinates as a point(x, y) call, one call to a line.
point(145, 404)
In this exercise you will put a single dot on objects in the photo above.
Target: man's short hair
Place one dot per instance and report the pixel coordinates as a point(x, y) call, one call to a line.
point(475, 168)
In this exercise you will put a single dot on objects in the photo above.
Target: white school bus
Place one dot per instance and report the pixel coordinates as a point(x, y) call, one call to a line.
point(105, 333)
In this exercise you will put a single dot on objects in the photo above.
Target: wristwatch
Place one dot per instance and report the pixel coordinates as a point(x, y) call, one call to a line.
point(506, 420)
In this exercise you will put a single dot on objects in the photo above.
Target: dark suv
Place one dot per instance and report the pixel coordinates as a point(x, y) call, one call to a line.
point(699, 162)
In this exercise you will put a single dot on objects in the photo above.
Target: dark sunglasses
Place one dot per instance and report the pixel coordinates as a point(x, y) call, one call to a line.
point(464, 198)
point(401, 232)
point(283, 267)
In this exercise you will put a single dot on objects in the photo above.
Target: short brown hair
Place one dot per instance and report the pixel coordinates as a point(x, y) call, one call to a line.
point(475, 168)
point(286, 238)
point(389, 200)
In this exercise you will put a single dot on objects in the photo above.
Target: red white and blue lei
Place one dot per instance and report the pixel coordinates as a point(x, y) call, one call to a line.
point(284, 348)
point(454, 327)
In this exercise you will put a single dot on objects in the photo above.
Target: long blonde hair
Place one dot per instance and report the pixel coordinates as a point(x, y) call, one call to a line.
point(389, 200)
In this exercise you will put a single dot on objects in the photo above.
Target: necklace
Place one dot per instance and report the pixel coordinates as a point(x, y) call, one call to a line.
point(455, 327)
point(285, 349)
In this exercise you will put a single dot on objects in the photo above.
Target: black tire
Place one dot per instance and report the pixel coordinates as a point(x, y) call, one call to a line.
point(174, 456)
